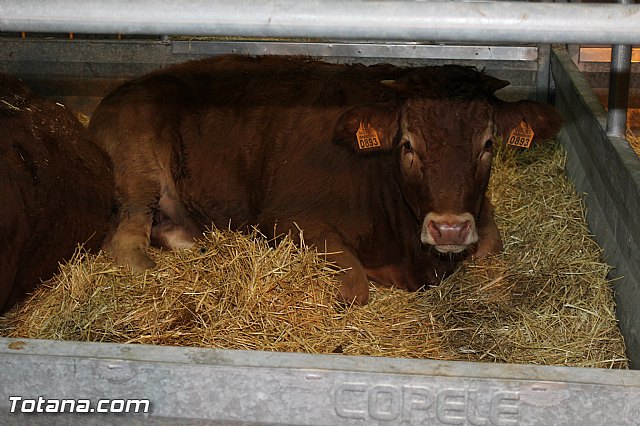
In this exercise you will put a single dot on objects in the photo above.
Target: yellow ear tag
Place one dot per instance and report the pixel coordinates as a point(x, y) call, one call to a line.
point(367, 137)
point(521, 136)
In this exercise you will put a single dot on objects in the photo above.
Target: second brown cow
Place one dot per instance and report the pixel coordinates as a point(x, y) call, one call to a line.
point(56, 189)
point(385, 166)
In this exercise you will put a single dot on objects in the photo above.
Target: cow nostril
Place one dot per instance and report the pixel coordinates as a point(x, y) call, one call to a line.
point(434, 229)
point(464, 229)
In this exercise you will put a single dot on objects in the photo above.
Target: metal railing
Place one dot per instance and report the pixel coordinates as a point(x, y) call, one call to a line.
point(489, 22)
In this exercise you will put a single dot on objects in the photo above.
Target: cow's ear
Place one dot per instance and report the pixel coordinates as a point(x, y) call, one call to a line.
point(367, 128)
point(491, 84)
point(544, 119)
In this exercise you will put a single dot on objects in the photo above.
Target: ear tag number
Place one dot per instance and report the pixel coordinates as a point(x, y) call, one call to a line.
point(521, 136)
point(367, 137)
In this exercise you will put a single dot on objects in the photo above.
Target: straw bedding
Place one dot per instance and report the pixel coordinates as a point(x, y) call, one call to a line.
point(545, 300)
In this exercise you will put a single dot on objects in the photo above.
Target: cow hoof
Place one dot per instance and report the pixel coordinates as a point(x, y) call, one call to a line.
point(347, 296)
point(137, 260)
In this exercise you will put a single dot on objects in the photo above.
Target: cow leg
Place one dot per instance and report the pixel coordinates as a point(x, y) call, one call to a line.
point(354, 282)
point(141, 152)
point(138, 192)
point(129, 243)
point(489, 240)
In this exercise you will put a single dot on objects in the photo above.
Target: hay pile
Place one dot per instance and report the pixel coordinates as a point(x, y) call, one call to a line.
point(545, 300)
point(235, 291)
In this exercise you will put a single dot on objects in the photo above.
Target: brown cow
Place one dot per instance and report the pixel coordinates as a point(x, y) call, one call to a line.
point(56, 189)
point(271, 142)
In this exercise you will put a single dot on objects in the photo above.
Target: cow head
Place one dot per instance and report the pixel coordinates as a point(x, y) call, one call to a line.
point(443, 149)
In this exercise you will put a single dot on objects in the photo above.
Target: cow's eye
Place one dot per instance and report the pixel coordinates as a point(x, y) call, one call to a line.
point(488, 145)
point(406, 146)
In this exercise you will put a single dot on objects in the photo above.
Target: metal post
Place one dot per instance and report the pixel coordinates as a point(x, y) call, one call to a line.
point(619, 75)
point(543, 78)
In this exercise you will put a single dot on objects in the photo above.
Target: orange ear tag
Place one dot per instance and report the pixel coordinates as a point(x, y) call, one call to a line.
point(521, 136)
point(367, 137)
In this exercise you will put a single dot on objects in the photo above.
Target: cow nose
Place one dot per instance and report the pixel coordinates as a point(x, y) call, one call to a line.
point(445, 233)
point(448, 232)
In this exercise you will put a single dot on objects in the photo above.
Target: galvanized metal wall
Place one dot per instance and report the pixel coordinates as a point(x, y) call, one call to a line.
point(80, 72)
point(607, 170)
point(198, 386)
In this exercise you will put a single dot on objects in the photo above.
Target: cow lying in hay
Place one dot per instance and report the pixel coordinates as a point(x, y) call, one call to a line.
point(56, 189)
point(386, 167)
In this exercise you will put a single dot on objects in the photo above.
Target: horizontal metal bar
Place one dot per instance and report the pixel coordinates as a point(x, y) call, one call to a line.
point(251, 387)
point(358, 50)
point(358, 364)
point(97, 52)
point(129, 51)
point(492, 22)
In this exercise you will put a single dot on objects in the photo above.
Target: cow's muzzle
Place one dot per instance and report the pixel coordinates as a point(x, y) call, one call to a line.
point(449, 233)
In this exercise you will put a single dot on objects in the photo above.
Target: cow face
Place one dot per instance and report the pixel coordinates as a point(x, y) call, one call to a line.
point(445, 155)
point(443, 149)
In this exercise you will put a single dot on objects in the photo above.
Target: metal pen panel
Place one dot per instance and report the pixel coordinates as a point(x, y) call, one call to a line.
point(210, 386)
